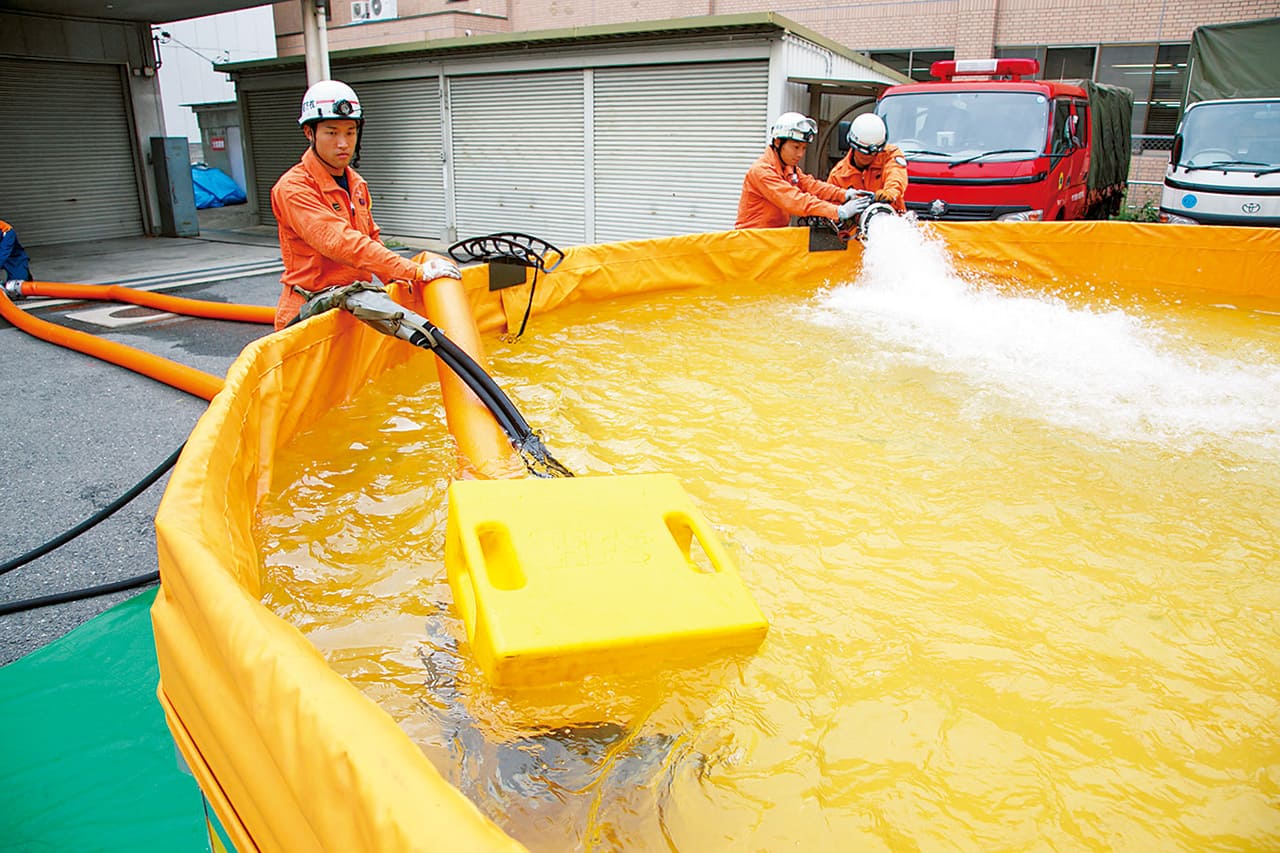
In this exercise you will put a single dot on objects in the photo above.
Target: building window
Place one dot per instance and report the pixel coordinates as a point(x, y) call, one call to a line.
point(1068, 63)
point(1130, 66)
point(1168, 85)
point(1023, 51)
point(1157, 75)
point(1056, 63)
point(913, 63)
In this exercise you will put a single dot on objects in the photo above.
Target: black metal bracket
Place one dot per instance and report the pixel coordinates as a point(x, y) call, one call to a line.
point(510, 247)
point(509, 254)
point(824, 235)
point(504, 273)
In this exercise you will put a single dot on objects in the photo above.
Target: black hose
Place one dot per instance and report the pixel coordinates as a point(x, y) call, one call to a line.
point(528, 309)
point(522, 437)
point(88, 592)
point(9, 607)
point(101, 515)
point(466, 368)
point(476, 376)
point(486, 398)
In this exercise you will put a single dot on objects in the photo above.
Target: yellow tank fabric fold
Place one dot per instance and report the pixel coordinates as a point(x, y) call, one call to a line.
point(305, 762)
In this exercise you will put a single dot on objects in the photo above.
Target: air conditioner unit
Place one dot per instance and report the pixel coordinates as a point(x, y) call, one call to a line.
point(373, 10)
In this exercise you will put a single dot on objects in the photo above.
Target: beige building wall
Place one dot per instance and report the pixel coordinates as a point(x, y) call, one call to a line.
point(416, 20)
point(973, 28)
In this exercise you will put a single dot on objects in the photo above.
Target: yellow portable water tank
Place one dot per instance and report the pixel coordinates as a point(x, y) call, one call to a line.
point(561, 578)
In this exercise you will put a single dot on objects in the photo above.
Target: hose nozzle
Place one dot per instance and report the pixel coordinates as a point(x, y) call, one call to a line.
point(872, 211)
point(13, 289)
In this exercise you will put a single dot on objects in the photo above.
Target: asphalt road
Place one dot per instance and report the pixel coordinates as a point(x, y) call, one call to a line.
point(76, 433)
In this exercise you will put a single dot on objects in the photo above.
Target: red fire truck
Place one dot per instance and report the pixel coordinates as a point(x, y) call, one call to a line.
point(996, 146)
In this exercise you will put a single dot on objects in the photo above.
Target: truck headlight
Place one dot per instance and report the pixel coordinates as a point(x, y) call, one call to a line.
point(1175, 219)
point(1022, 216)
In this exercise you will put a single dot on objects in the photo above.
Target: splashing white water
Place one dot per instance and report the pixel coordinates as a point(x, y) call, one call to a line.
point(1101, 371)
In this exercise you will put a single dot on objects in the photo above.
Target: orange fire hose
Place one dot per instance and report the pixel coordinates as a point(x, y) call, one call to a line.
point(176, 304)
point(473, 426)
point(479, 437)
point(180, 376)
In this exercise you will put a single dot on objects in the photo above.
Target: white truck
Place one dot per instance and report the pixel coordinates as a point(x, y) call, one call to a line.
point(1225, 165)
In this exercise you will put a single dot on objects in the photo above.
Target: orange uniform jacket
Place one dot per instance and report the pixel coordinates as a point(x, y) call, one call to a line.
point(327, 235)
point(772, 193)
point(886, 171)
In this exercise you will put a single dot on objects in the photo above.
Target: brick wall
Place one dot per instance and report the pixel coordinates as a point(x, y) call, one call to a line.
point(971, 27)
point(555, 14)
point(975, 28)
point(418, 20)
point(1118, 21)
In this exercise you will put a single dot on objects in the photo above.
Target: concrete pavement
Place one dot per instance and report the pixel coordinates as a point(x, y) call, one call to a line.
point(76, 432)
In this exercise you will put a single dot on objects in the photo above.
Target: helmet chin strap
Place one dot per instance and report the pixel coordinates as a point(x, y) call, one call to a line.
point(318, 157)
point(355, 155)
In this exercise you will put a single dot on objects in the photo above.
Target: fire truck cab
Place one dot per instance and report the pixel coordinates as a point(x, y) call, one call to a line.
point(982, 142)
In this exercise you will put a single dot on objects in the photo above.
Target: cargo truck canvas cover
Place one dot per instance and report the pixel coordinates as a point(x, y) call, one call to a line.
point(1225, 164)
point(1112, 143)
point(1234, 61)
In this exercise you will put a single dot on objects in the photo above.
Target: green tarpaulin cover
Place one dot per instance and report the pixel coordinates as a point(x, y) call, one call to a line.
point(1234, 61)
point(88, 761)
point(1112, 108)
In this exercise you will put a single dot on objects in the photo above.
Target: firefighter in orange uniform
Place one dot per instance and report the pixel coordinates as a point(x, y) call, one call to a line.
point(324, 210)
point(872, 164)
point(775, 189)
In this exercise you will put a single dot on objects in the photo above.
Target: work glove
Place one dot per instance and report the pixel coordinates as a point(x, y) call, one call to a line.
point(435, 268)
point(885, 196)
point(852, 193)
point(851, 208)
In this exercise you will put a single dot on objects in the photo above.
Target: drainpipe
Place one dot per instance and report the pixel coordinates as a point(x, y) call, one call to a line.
point(315, 40)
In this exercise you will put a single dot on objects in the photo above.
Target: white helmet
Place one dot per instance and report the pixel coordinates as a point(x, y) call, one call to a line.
point(867, 133)
point(329, 99)
point(794, 126)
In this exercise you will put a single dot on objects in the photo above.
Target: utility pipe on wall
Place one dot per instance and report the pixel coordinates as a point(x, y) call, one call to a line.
point(315, 40)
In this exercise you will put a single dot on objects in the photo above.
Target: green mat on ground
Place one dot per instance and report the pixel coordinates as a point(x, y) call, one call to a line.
point(88, 763)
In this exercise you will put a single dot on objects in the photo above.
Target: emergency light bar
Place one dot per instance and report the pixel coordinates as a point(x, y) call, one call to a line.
point(1015, 69)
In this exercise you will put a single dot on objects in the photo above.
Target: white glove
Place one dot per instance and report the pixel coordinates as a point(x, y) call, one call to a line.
point(435, 268)
point(852, 193)
point(852, 207)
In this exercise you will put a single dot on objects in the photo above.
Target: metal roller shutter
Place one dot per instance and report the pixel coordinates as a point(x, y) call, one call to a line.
point(69, 152)
point(275, 141)
point(401, 156)
point(518, 155)
point(672, 144)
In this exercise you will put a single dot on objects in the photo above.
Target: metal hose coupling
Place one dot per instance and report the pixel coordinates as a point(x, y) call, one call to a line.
point(13, 289)
point(872, 211)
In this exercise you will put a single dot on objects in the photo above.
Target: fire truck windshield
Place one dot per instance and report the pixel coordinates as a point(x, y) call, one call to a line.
point(956, 125)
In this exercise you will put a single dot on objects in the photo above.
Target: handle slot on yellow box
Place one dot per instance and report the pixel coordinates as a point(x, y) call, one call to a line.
point(690, 544)
point(560, 578)
point(501, 564)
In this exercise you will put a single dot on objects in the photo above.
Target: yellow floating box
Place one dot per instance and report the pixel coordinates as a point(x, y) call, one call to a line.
point(561, 578)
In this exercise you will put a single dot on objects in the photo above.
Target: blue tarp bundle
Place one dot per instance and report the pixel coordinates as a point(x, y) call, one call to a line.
point(214, 187)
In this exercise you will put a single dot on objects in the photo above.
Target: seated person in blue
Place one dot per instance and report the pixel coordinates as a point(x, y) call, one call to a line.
point(14, 263)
